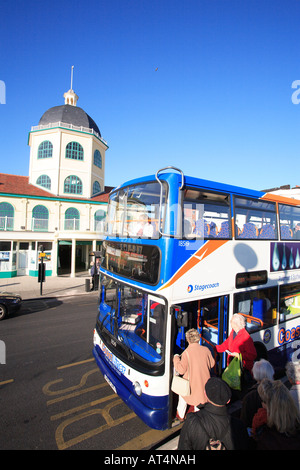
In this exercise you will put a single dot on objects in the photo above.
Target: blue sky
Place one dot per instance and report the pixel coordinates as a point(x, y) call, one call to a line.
point(219, 106)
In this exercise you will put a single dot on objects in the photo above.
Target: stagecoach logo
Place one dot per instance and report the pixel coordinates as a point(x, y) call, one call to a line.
point(118, 366)
point(202, 287)
point(267, 336)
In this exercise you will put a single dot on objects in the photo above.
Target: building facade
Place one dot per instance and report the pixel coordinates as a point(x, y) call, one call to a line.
point(60, 207)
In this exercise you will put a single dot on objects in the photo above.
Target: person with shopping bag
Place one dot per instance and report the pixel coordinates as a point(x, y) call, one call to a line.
point(194, 364)
point(239, 344)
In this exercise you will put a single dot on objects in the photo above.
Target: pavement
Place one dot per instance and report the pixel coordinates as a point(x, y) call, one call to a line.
point(54, 286)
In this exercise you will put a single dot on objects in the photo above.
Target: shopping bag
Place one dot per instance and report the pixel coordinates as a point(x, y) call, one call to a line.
point(181, 386)
point(232, 375)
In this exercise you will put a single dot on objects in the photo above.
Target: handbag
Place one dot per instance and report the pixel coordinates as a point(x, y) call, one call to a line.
point(180, 385)
point(232, 375)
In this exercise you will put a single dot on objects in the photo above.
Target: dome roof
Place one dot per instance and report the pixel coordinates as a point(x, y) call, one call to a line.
point(70, 115)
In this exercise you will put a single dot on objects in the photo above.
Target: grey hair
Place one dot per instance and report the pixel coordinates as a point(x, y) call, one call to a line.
point(192, 336)
point(239, 320)
point(293, 371)
point(263, 370)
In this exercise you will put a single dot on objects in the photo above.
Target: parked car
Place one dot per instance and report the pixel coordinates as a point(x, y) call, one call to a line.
point(9, 303)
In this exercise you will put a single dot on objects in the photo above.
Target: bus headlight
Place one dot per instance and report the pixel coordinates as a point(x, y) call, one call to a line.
point(137, 388)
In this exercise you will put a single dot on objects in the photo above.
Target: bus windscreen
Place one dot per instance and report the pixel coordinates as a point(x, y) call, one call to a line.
point(138, 262)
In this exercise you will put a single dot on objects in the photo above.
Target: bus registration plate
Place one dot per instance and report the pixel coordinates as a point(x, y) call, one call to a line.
point(110, 383)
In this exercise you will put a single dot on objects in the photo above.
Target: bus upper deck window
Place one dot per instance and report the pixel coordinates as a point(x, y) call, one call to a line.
point(206, 215)
point(289, 218)
point(133, 211)
point(255, 219)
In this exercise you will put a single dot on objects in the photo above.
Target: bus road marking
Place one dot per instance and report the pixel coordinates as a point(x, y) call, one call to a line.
point(101, 406)
point(75, 364)
point(82, 407)
point(6, 382)
point(47, 391)
point(105, 413)
point(148, 439)
point(76, 394)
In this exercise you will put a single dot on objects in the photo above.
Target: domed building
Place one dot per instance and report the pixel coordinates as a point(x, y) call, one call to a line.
point(67, 151)
point(62, 205)
point(69, 113)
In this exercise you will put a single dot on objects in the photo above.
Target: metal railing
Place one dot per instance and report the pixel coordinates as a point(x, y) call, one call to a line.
point(71, 224)
point(6, 223)
point(42, 225)
point(68, 126)
point(39, 225)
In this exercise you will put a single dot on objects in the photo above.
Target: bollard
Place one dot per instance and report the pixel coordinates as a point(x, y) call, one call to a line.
point(87, 285)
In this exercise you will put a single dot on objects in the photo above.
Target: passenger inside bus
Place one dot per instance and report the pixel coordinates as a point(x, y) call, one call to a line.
point(258, 307)
point(297, 232)
point(141, 227)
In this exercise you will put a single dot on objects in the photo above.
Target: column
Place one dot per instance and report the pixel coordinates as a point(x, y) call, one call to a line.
point(73, 257)
point(54, 255)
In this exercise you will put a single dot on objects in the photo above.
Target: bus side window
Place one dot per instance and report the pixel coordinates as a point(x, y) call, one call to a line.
point(255, 219)
point(289, 218)
point(259, 307)
point(289, 307)
point(205, 214)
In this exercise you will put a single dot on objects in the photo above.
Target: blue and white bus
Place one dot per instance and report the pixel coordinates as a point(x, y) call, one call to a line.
point(181, 252)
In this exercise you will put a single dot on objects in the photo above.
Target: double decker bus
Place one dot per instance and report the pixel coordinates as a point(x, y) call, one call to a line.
point(182, 252)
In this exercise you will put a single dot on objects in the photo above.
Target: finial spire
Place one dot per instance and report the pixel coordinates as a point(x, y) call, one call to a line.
point(72, 77)
point(70, 96)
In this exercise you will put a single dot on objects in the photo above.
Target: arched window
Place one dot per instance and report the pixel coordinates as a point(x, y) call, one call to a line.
point(74, 151)
point(45, 149)
point(72, 219)
point(73, 185)
point(44, 181)
point(6, 216)
point(97, 159)
point(96, 188)
point(40, 217)
point(99, 220)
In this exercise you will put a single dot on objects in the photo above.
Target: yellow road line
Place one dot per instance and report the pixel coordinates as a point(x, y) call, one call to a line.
point(148, 439)
point(62, 444)
point(82, 407)
point(6, 382)
point(77, 393)
point(75, 364)
point(47, 391)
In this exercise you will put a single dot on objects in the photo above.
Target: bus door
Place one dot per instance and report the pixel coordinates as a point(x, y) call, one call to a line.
point(208, 316)
point(212, 322)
